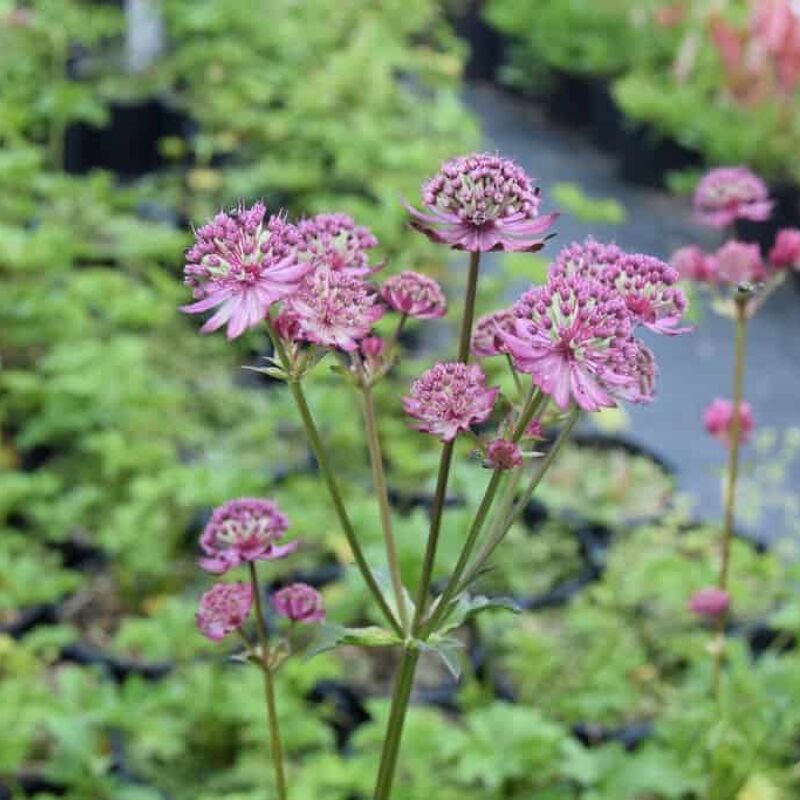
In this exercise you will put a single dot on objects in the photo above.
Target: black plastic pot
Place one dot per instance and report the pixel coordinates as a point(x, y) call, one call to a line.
point(487, 46)
point(646, 156)
point(30, 784)
point(29, 618)
point(79, 554)
point(562, 593)
point(569, 98)
point(348, 712)
point(630, 736)
point(605, 118)
point(406, 502)
point(118, 668)
point(129, 144)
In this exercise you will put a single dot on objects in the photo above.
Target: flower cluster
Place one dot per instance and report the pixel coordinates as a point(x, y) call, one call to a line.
point(449, 398)
point(718, 420)
point(785, 252)
point(331, 309)
point(503, 454)
point(334, 241)
point(727, 194)
point(487, 339)
point(242, 530)
point(241, 264)
point(709, 602)
point(482, 202)
point(415, 295)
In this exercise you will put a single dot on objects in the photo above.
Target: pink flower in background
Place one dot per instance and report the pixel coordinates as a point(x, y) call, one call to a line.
point(334, 241)
point(535, 430)
point(718, 420)
point(776, 25)
point(571, 337)
point(241, 265)
point(738, 262)
point(482, 202)
point(415, 295)
point(646, 283)
point(487, 339)
point(785, 252)
point(334, 309)
point(299, 602)
point(449, 398)
point(693, 264)
point(709, 602)
point(372, 347)
point(242, 530)
point(726, 194)
point(224, 609)
point(503, 454)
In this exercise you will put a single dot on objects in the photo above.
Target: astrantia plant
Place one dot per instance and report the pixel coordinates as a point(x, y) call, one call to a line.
point(739, 280)
point(571, 346)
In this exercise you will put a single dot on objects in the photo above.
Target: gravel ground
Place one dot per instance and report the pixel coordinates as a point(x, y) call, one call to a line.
point(696, 368)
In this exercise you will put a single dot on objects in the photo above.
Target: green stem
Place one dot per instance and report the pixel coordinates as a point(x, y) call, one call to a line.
point(381, 490)
point(732, 477)
point(394, 730)
point(330, 481)
point(497, 536)
point(405, 677)
point(535, 401)
point(269, 686)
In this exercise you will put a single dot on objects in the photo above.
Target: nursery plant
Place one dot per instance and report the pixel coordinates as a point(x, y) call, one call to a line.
point(739, 281)
point(570, 345)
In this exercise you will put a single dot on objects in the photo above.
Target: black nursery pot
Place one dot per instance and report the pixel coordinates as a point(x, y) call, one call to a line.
point(569, 98)
point(605, 118)
point(487, 46)
point(128, 144)
point(646, 157)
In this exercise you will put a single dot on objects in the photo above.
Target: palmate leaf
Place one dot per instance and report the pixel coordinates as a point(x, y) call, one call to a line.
point(330, 636)
point(469, 606)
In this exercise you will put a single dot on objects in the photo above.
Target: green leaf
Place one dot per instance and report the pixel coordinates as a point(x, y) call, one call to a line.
point(448, 649)
point(331, 636)
point(469, 606)
point(384, 582)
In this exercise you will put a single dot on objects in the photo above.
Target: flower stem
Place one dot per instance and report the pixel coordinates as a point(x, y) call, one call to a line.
point(381, 490)
point(394, 729)
point(535, 401)
point(732, 476)
point(405, 676)
point(330, 481)
point(499, 533)
point(269, 687)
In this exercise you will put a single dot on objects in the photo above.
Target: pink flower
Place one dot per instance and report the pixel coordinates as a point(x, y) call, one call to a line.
point(482, 202)
point(333, 309)
point(503, 454)
point(224, 609)
point(709, 602)
point(299, 602)
point(636, 366)
point(372, 347)
point(242, 265)
point(449, 398)
point(785, 253)
point(334, 241)
point(242, 530)
point(718, 420)
point(726, 194)
point(738, 262)
point(487, 339)
point(415, 295)
point(693, 264)
point(535, 430)
point(572, 337)
point(646, 283)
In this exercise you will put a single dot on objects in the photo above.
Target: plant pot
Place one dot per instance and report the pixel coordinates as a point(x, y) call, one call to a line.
point(569, 98)
point(27, 619)
point(487, 46)
point(646, 157)
point(349, 712)
point(118, 668)
point(605, 118)
point(630, 736)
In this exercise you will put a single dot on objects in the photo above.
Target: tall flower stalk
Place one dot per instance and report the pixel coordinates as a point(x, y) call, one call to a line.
point(570, 346)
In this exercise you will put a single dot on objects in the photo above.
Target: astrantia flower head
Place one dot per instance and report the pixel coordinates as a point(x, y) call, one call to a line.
point(572, 337)
point(738, 262)
point(241, 264)
point(333, 309)
point(693, 264)
point(709, 602)
point(224, 609)
point(718, 420)
point(246, 529)
point(482, 202)
point(503, 454)
point(449, 398)
point(730, 193)
point(415, 295)
point(785, 253)
point(299, 602)
point(635, 367)
point(487, 339)
point(334, 241)
point(646, 283)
